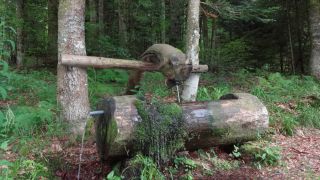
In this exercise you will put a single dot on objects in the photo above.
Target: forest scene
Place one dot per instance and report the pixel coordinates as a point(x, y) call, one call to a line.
point(166, 89)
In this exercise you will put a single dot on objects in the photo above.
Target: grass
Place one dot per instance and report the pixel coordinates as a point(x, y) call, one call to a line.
point(291, 100)
point(29, 119)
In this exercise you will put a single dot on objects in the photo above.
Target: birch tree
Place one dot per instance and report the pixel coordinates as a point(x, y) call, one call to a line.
point(191, 84)
point(72, 92)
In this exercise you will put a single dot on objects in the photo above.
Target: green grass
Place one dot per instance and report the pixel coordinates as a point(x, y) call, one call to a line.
point(291, 100)
point(30, 119)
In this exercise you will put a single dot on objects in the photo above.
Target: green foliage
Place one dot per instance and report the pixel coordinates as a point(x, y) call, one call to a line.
point(7, 45)
point(105, 82)
point(263, 153)
point(143, 168)
point(113, 176)
point(212, 93)
point(236, 153)
point(292, 100)
point(186, 163)
point(154, 83)
point(161, 131)
point(22, 169)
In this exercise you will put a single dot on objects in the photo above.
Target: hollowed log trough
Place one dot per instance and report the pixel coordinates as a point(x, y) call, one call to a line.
point(222, 122)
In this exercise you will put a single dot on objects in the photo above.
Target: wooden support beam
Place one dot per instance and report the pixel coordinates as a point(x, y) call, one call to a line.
point(101, 62)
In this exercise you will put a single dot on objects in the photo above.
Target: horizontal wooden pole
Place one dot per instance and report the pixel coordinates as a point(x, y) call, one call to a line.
point(101, 62)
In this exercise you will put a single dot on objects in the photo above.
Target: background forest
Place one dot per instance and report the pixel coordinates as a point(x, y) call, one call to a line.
point(262, 47)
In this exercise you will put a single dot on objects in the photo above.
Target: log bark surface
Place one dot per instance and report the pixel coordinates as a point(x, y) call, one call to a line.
point(208, 123)
point(101, 62)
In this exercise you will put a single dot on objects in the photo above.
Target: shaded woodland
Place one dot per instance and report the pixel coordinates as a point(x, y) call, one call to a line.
point(269, 49)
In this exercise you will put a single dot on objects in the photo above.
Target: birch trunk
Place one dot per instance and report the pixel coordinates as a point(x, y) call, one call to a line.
point(315, 34)
point(19, 13)
point(191, 84)
point(72, 92)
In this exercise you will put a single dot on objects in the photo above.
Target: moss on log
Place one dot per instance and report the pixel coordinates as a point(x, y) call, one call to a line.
point(222, 122)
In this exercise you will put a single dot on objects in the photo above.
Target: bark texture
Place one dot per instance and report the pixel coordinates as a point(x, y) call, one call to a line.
point(72, 92)
point(122, 18)
point(52, 48)
point(100, 62)
point(190, 88)
point(226, 121)
point(315, 33)
point(19, 13)
point(163, 21)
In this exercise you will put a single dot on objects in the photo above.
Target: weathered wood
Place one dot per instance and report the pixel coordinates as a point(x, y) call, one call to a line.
point(100, 62)
point(208, 123)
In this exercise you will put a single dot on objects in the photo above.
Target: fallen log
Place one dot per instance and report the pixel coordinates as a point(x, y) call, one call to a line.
point(222, 122)
point(101, 62)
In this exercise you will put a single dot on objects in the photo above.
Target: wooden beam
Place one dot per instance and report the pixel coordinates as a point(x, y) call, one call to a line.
point(101, 62)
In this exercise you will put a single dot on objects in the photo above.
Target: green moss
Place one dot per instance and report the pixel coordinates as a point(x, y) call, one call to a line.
point(220, 132)
point(161, 131)
point(111, 131)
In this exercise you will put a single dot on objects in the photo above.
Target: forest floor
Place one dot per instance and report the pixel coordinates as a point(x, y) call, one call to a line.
point(34, 143)
point(300, 159)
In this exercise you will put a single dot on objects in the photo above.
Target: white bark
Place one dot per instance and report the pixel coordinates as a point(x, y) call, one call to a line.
point(193, 34)
point(315, 33)
point(72, 90)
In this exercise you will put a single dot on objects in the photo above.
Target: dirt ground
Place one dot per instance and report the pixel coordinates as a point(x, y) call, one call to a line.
point(300, 160)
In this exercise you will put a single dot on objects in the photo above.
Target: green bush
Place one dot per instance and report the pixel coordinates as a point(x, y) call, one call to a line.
point(262, 153)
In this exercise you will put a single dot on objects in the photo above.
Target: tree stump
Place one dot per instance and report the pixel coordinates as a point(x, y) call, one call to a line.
point(227, 121)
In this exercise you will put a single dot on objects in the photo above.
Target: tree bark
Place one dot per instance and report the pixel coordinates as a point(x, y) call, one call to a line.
point(315, 34)
point(19, 13)
point(176, 22)
point(72, 90)
point(208, 123)
point(52, 47)
point(93, 11)
point(108, 63)
point(190, 87)
point(163, 21)
point(101, 17)
point(123, 35)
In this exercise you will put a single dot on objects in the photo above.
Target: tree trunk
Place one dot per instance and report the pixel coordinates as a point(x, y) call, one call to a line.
point(208, 123)
point(123, 35)
point(72, 92)
point(101, 23)
point(176, 22)
point(190, 87)
point(93, 11)
point(315, 33)
point(19, 13)
point(52, 47)
point(101, 17)
point(163, 21)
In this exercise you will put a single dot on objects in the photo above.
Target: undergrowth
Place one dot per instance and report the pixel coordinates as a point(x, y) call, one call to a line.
point(161, 132)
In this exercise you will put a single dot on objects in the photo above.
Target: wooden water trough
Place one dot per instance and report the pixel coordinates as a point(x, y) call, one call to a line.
point(227, 121)
point(222, 122)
